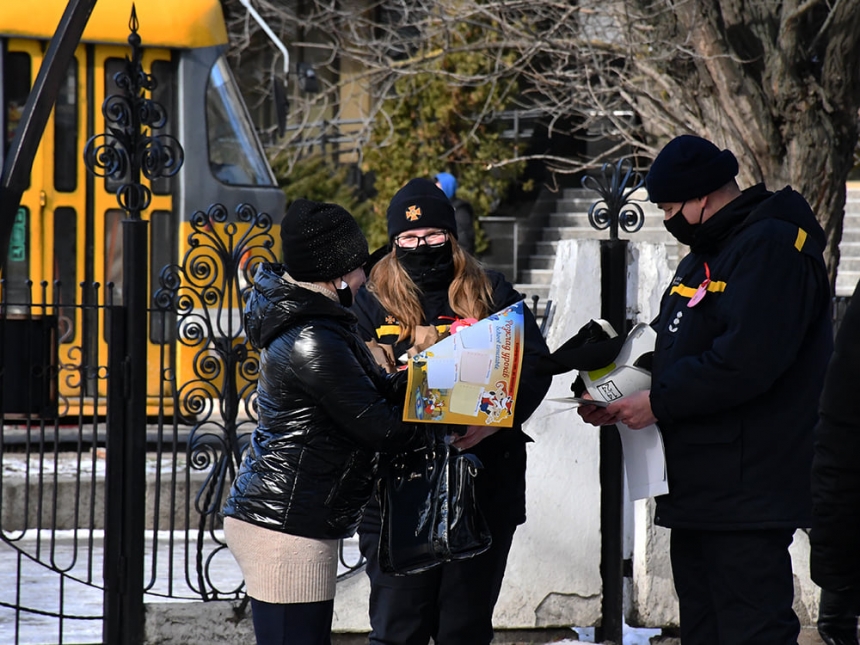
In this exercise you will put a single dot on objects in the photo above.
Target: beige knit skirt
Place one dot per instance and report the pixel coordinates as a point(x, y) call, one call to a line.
point(282, 568)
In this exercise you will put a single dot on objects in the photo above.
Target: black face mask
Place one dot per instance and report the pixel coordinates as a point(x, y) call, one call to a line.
point(427, 265)
point(680, 228)
point(344, 294)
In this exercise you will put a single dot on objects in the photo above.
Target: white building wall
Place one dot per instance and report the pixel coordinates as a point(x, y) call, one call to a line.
point(553, 574)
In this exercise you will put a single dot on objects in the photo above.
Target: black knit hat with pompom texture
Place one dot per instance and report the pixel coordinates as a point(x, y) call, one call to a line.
point(321, 241)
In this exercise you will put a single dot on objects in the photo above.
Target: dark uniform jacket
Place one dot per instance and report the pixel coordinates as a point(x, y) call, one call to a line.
point(835, 535)
point(736, 378)
point(325, 408)
point(501, 483)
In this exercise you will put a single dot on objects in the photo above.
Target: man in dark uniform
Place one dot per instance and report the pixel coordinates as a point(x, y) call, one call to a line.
point(743, 340)
point(835, 536)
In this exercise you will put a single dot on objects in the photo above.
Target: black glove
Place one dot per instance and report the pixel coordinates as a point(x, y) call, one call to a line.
point(837, 617)
point(397, 383)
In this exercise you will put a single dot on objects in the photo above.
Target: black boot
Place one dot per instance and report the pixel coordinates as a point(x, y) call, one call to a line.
point(837, 617)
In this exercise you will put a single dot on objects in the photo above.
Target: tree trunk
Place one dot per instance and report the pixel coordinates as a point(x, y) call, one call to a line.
point(778, 84)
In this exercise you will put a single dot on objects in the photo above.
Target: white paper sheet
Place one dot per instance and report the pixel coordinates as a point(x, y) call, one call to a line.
point(644, 454)
point(441, 373)
point(644, 461)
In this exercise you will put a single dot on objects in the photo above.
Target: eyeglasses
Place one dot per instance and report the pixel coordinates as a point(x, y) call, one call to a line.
point(434, 239)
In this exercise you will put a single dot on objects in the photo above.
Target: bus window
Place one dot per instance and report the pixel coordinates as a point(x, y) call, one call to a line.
point(17, 270)
point(163, 251)
point(235, 154)
point(113, 66)
point(165, 95)
point(66, 133)
point(16, 89)
point(113, 252)
point(66, 268)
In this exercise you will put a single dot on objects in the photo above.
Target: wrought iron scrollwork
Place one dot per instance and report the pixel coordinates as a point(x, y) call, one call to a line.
point(615, 208)
point(206, 292)
point(126, 150)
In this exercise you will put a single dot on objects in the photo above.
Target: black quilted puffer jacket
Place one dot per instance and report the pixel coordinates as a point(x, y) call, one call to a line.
point(325, 410)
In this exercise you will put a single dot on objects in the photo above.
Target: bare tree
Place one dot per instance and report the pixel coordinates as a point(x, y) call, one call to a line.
point(777, 81)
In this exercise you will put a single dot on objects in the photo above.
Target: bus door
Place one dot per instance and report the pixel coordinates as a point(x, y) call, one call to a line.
point(163, 224)
point(20, 64)
point(48, 238)
point(68, 230)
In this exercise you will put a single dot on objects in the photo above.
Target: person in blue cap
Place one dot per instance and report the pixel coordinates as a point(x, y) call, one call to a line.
point(463, 211)
point(744, 335)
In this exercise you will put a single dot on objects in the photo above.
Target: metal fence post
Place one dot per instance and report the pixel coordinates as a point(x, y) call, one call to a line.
point(115, 561)
point(127, 152)
point(613, 210)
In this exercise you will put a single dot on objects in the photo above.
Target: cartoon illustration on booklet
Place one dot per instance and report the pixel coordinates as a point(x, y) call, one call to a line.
point(470, 377)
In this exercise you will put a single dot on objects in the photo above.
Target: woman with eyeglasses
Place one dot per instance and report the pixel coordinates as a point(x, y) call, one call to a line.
point(425, 284)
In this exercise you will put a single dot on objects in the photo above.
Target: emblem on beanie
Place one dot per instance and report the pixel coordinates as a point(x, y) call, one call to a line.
point(413, 213)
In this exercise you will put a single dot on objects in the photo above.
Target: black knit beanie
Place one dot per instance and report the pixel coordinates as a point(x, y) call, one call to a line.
point(321, 241)
point(420, 204)
point(689, 167)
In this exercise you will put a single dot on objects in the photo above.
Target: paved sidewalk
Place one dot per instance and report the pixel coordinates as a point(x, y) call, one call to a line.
point(808, 636)
point(40, 590)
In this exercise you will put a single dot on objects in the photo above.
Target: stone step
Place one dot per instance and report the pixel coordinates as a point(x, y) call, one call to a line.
point(645, 234)
point(580, 194)
point(570, 201)
point(536, 276)
point(845, 283)
point(564, 218)
point(545, 261)
point(530, 290)
point(850, 235)
point(848, 263)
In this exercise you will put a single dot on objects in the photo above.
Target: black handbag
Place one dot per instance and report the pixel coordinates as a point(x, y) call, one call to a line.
point(429, 511)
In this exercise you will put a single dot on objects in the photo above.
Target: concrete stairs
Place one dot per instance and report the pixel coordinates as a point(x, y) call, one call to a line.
point(568, 219)
point(848, 271)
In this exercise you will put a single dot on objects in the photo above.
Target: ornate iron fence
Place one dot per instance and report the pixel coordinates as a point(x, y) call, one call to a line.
point(56, 391)
point(61, 430)
point(211, 379)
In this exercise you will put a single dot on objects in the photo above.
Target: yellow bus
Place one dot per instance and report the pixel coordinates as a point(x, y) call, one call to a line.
point(68, 225)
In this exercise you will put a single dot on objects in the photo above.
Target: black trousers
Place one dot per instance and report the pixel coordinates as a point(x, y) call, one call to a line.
point(734, 587)
point(303, 623)
point(452, 603)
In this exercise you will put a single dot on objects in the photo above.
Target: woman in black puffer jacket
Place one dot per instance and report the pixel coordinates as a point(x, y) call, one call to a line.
point(325, 410)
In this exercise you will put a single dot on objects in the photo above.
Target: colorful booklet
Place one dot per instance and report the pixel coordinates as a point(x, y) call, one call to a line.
point(470, 377)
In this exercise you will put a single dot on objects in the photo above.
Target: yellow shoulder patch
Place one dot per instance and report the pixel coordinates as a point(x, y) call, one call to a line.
point(800, 240)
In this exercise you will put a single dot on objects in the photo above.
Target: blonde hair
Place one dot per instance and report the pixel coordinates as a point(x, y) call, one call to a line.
point(470, 294)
